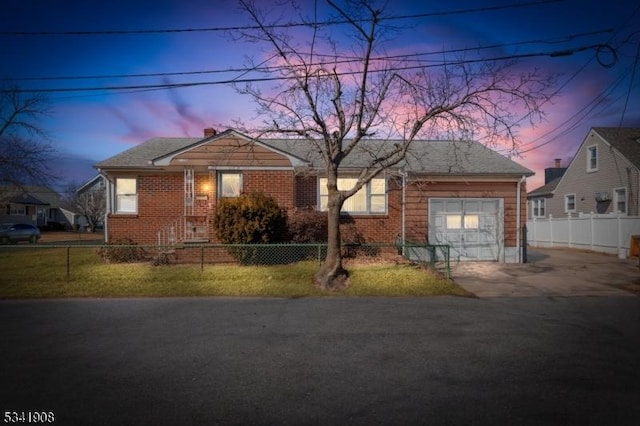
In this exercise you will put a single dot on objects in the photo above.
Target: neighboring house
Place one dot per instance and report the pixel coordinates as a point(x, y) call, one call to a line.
point(96, 183)
point(460, 193)
point(537, 199)
point(91, 195)
point(36, 205)
point(602, 178)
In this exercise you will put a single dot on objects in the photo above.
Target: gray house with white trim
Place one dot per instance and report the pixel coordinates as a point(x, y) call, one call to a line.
point(602, 178)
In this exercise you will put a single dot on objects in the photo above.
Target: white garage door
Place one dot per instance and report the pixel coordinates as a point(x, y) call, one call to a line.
point(471, 226)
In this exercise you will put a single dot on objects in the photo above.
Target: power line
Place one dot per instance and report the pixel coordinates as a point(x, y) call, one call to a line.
point(595, 102)
point(585, 111)
point(275, 26)
point(347, 59)
point(265, 79)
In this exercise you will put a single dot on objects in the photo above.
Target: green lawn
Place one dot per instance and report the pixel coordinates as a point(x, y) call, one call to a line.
point(27, 272)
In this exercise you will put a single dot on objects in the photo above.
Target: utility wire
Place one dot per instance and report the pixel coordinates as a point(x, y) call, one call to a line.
point(599, 99)
point(346, 59)
point(265, 79)
point(584, 112)
point(286, 25)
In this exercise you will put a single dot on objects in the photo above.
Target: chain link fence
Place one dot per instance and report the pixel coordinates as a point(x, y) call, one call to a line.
point(62, 259)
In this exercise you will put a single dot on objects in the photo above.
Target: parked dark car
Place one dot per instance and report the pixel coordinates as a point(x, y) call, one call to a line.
point(15, 232)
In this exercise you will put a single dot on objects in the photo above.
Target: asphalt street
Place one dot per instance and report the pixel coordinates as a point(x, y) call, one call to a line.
point(334, 361)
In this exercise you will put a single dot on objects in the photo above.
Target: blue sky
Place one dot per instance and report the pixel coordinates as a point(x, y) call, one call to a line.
point(89, 126)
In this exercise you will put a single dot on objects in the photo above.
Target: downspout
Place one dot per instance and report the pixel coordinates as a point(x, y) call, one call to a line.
point(404, 199)
point(108, 194)
point(518, 220)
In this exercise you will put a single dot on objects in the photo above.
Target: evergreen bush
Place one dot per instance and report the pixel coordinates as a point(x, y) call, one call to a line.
point(253, 218)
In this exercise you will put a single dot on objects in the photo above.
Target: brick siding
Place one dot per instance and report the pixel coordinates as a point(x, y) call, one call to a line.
point(161, 201)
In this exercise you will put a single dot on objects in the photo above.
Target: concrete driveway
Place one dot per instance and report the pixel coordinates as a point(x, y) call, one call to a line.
point(551, 272)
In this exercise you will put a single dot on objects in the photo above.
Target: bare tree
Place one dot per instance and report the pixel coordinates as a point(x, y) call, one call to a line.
point(91, 203)
point(341, 97)
point(25, 150)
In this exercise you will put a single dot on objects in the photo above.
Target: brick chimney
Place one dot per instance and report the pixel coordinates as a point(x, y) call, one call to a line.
point(551, 173)
point(209, 131)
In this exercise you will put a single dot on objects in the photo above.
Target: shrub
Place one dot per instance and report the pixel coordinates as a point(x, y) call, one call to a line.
point(249, 219)
point(122, 251)
point(307, 226)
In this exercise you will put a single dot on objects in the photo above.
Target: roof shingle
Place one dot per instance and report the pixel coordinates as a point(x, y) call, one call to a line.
point(430, 157)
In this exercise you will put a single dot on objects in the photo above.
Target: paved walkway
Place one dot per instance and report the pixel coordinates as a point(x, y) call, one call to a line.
point(551, 272)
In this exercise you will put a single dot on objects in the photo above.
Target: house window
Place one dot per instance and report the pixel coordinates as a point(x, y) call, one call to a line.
point(17, 210)
point(570, 203)
point(620, 200)
point(592, 158)
point(370, 199)
point(229, 184)
point(538, 207)
point(126, 195)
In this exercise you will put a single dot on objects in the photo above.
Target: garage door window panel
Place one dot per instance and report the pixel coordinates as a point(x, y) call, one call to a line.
point(471, 221)
point(454, 221)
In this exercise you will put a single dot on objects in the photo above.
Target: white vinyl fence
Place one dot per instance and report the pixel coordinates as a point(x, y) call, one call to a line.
point(601, 233)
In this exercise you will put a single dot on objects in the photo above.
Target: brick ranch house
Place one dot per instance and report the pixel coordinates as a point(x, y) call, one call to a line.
point(458, 193)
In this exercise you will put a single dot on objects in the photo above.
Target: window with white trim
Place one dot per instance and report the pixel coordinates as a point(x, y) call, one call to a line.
point(620, 200)
point(570, 203)
point(17, 210)
point(370, 199)
point(538, 207)
point(126, 195)
point(229, 184)
point(592, 158)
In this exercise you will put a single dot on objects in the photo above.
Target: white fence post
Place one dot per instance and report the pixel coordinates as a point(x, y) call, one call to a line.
point(592, 228)
point(621, 255)
point(569, 226)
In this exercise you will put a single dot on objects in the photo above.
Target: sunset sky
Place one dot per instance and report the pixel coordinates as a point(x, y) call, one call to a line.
point(60, 47)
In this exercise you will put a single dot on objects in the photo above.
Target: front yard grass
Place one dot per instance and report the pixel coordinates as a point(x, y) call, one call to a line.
point(27, 272)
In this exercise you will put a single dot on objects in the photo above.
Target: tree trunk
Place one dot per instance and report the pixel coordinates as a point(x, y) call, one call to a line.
point(332, 276)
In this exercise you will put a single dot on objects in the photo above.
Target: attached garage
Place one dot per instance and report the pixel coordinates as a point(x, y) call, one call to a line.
point(473, 227)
